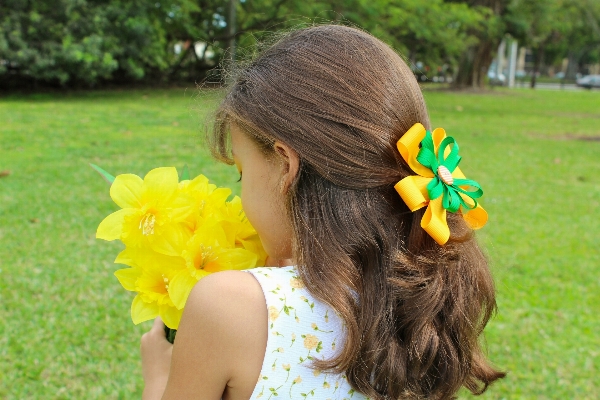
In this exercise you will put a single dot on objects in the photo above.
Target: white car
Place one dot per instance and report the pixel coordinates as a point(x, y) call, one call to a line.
point(496, 79)
point(589, 81)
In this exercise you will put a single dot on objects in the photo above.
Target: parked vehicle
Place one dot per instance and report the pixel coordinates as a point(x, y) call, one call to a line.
point(496, 79)
point(589, 81)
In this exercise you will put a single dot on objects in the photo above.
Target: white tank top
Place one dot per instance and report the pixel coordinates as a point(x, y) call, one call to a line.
point(300, 328)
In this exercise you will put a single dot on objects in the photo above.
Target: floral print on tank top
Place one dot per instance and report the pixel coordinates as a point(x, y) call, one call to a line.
point(301, 329)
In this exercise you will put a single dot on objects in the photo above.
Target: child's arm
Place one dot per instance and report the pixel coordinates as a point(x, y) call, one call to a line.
point(156, 361)
point(220, 343)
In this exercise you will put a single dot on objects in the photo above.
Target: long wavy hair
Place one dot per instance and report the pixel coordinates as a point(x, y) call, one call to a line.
point(413, 310)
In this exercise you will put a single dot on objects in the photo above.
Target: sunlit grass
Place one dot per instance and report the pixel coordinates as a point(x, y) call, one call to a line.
point(66, 331)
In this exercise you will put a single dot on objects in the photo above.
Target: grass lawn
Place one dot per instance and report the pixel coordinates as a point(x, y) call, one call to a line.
point(66, 331)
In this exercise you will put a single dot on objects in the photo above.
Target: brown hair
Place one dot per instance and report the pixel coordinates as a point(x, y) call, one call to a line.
point(413, 310)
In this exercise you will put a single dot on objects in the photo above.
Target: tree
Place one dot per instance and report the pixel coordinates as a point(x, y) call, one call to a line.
point(476, 60)
point(536, 24)
point(435, 33)
point(88, 42)
point(577, 35)
point(92, 42)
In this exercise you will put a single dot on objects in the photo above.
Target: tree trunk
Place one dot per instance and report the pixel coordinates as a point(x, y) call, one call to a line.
point(231, 31)
point(572, 65)
point(464, 76)
point(537, 61)
point(485, 55)
point(474, 64)
point(173, 69)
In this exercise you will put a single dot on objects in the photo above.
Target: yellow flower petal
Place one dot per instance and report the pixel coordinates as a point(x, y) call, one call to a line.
point(209, 234)
point(153, 285)
point(233, 259)
point(112, 226)
point(151, 260)
point(126, 257)
point(170, 316)
point(254, 245)
point(235, 204)
point(181, 208)
point(170, 239)
point(161, 185)
point(128, 277)
point(142, 311)
point(180, 287)
point(220, 195)
point(132, 233)
point(126, 191)
point(198, 183)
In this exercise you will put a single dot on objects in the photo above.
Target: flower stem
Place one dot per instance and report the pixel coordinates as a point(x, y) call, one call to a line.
point(170, 334)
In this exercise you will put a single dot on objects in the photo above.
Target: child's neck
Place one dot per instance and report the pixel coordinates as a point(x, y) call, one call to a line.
point(272, 262)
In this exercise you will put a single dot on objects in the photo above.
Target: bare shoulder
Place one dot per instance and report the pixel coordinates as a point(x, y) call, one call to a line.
point(226, 290)
point(222, 338)
point(229, 300)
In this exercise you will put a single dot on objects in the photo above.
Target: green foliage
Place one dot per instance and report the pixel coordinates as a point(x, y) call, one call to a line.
point(577, 32)
point(557, 29)
point(433, 32)
point(86, 42)
point(476, 59)
point(92, 42)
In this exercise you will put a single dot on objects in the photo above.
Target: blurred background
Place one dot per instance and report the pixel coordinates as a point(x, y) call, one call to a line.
point(470, 43)
point(115, 83)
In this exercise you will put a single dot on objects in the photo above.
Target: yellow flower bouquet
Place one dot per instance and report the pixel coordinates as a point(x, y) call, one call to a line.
point(175, 232)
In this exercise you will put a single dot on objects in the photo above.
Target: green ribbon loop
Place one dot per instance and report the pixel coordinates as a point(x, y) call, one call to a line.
point(426, 155)
point(474, 194)
point(452, 199)
point(451, 162)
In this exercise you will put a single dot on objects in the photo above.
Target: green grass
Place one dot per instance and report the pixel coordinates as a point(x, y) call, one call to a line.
point(542, 191)
point(66, 332)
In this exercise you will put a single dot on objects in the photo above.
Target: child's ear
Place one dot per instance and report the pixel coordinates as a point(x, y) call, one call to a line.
point(290, 163)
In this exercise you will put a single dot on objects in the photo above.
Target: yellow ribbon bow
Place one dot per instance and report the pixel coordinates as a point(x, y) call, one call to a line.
point(439, 184)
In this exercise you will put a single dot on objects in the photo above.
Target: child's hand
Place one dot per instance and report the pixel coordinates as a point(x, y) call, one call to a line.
point(156, 360)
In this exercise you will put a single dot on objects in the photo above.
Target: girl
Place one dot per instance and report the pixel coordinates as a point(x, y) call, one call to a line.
point(361, 302)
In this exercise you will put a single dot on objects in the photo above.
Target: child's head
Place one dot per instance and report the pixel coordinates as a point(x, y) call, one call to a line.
point(266, 179)
point(337, 99)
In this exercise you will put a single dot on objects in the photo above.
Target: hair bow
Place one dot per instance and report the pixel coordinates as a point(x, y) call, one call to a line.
point(439, 184)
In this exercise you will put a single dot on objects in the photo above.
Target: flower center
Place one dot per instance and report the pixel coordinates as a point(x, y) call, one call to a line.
point(445, 175)
point(202, 257)
point(165, 282)
point(147, 224)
